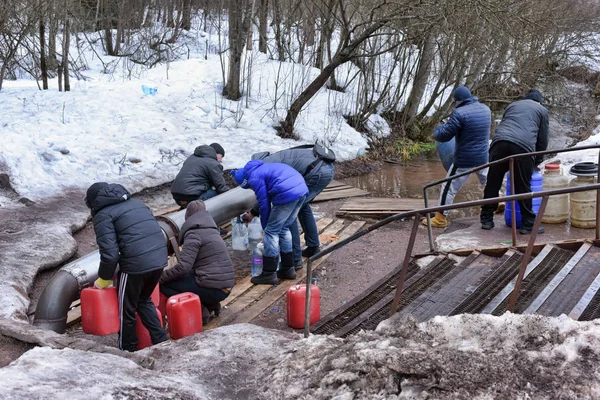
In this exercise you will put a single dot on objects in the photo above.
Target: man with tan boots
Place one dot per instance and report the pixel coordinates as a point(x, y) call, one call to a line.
point(469, 125)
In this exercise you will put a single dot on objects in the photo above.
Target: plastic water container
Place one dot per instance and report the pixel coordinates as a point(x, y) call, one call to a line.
point(583, 204)
point(536, 186)
point(100, 311)
point(149, 90)
point(142, 333)
point(184, 313)
point(256, 258)
point(296, 303)
point(557, 209)
point(445, 151)
point(255, 231)
point(239, 234)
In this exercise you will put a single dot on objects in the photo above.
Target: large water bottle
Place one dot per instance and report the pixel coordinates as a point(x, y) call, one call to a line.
point(239, 234)
point(255, 231)
point(256, 259)
point(536, 186)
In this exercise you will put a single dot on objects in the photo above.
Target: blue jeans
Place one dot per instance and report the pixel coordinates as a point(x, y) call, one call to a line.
point(316, 181)
point(277, 234)
point(208, 194)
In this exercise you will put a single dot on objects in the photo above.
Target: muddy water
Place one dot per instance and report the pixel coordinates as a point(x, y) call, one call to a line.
point(407, 181)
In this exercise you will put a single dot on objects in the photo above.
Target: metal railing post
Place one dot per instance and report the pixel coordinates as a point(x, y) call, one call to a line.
point(598, 201)
point(411, 244)
point(307, 303)
point(513, 207)
point(528, 251)
point(429, 231)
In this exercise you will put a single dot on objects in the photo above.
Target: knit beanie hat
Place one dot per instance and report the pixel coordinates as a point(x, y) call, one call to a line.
point(194, 207)
point(218, 148)
point(92, 192)
point(534, 95)
point(462, 93)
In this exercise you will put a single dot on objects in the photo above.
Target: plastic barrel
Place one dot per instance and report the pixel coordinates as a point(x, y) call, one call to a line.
point(445, 151)
point(536, 186)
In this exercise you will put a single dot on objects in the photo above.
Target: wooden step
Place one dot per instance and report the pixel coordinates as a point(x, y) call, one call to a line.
point(378, 206)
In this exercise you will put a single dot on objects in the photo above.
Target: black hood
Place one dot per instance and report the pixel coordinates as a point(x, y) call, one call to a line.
point(199, 220)
point(534, 95)
point(105, 194)
point(205, 151)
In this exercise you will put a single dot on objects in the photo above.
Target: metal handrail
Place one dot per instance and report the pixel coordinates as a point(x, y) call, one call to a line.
point(510, 159)
point(415, 213)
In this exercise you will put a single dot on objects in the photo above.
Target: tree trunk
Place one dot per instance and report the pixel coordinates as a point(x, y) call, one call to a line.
point(186, 19)
point(239, 22)
point(170, 12)
point(420, 81)
point(43, 65)
point(263, 25)
point(278, 34)
point(65, 60)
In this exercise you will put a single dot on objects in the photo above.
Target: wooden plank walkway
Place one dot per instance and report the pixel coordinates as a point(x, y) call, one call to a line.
point(338, 190)
point(378, 206)
point(251, 300)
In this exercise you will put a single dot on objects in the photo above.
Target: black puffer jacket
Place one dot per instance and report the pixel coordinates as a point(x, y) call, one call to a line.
point(204, 253)
point(199, 173)
point(126, 232)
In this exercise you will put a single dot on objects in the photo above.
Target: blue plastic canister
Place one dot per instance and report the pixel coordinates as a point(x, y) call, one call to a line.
point(536, 186)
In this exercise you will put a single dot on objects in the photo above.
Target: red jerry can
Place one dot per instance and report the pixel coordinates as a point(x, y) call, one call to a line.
point(296, 304)
point(100, 311)
point(142, 333)
point(155, 296)
point(184, 313)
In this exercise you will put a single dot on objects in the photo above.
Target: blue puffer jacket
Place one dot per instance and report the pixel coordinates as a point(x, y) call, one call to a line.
point(470, 125)
point(273, 183)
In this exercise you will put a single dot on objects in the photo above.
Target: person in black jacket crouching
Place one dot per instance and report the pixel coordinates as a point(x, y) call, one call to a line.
point(128, 236)
point(204, 266)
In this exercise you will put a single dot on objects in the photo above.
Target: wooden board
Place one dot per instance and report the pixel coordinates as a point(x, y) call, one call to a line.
point(280, 290)
point(255, 292)
point(379, 206)
point(338, 190)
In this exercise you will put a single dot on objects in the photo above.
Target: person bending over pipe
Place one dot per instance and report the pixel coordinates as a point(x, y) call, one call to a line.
point(315, 164)
point(204, 266)
point(128, 236)
point(280, 191)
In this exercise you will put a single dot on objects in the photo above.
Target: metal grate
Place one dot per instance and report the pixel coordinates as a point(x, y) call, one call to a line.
point(537, 280)
point(592, 311)
point(409, 294)
point(366, 302)
point(490, 287)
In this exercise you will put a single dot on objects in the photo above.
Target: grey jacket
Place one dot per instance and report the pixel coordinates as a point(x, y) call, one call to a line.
point(199, 173)
point(524, 123)
point(127, 233)
point(204, 254)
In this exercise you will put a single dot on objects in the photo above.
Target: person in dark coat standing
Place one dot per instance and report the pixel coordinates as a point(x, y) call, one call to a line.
point(317, 173)
point(129, 237)
point(280, 191)
point(204, 266)
point(523, 129)
point(201, 176)
point(469, 125)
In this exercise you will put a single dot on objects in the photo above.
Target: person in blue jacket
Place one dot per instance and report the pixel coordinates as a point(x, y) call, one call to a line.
point(469, 125)
point(280, 191)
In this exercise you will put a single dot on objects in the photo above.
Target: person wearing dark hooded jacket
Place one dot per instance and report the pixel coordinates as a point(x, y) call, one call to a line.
point(280, 191)
point(204, 266)
point(523, 129)
point(317, 174)
point(129, 237)
point(201, 176)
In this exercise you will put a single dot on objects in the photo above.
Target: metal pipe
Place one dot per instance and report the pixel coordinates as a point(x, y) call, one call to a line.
point(429, 230)
point(63, 289)
point(407, 255)
point(598, 202)
point(307, 301)
point(513, 206)
point(534, 231)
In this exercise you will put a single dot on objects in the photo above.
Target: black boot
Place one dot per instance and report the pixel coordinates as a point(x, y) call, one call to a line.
point(268, 276)
point(487, 220)
point(310, 251)
point(286, 269)
point(214, 308)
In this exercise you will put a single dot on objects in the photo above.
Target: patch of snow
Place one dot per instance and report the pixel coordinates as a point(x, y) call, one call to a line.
point(378, 126)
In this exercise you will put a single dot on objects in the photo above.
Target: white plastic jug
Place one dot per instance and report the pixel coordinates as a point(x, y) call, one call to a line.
point(583, 204)
point(557, 209)
point(255, 231)
point(239, 235)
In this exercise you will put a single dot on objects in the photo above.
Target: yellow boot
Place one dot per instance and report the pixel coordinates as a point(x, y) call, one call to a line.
point(439, 221)
point(501, 208)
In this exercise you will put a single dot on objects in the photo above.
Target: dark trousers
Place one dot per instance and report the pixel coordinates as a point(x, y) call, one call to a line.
point(208, 296)
point(134, 293)
point(523, 171)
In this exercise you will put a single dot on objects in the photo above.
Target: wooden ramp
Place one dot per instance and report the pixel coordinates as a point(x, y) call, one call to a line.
point(338, 190)
point(373, 207)
point(247, 300)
